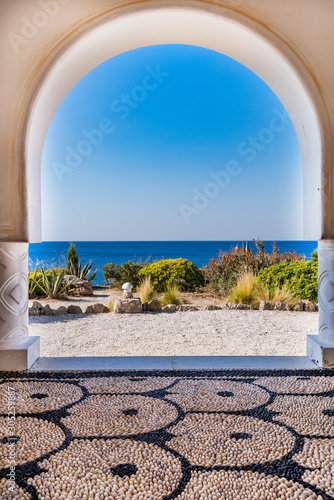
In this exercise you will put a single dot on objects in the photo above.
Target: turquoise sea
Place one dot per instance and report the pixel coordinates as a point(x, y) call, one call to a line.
point(53, 253)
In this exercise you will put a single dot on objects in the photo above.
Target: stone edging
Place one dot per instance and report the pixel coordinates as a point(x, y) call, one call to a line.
point(38, 309)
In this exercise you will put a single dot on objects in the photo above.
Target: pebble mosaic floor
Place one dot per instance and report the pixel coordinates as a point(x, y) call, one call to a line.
point(236, 435)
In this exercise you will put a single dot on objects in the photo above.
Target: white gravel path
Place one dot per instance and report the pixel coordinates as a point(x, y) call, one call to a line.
point(199, 333)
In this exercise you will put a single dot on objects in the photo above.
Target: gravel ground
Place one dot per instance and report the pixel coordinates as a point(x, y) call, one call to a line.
point(198, 333)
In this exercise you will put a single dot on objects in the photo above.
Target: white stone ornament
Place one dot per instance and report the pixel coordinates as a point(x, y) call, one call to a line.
point(127, 290)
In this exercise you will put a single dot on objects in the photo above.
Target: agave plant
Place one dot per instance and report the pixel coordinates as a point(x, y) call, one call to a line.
point(243, 247)
point(33, 284)
point(83, 273)
point(52, 287)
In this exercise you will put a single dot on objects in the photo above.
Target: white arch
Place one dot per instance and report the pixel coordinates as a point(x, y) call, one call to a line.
point(220, 29)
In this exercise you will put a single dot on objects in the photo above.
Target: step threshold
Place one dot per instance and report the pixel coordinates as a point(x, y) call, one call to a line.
point(175, 363)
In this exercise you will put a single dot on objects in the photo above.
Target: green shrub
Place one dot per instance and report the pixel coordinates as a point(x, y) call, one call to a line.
point(181, 272)
point(36, 288)
point(72, 258)
point(300, 277)
point(75, 267)
point(128, 272)
point(221, 274)
point(314, 255)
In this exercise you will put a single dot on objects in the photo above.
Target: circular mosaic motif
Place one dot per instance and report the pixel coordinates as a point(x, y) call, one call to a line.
point(10, 491)
point(38, 397)
point(308, 415)
point(217, 395)
point(119, 416)
point(243, 485)
point(220, 440)
point(200, 436)
point(318, 457)
point(123, 385)
point(33, 438)
point(300, 384)
point(115, 469)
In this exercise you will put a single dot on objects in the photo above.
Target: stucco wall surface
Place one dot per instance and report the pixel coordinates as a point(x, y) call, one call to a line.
point(38, 38)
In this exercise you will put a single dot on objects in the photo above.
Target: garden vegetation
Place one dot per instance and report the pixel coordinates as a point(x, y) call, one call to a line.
point(240, 275)
point(49, 282)
point(222, 273)
point(299, 277)
point(180, 272)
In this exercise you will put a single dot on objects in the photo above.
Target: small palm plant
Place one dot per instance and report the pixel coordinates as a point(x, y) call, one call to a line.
point(52, 287)
point(146, 290)
point(171, 295)
point(83, 273)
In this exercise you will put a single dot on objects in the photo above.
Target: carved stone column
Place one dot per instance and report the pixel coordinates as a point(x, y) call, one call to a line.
point(320, 348)
point(18, 351)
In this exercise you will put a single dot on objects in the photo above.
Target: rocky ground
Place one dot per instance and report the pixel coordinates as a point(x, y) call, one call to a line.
point(105, 296)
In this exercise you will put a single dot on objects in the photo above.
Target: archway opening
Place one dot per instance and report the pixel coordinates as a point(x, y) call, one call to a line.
point(232, 34)
point(170, 151)
point(183, 139)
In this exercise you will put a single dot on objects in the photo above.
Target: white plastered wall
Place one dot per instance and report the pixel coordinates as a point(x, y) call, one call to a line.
point(286, 43)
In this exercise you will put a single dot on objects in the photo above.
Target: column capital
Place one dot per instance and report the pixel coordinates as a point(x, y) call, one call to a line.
point(325, 245)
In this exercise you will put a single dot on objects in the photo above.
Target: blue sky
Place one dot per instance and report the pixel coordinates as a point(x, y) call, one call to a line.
point(171, 142)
